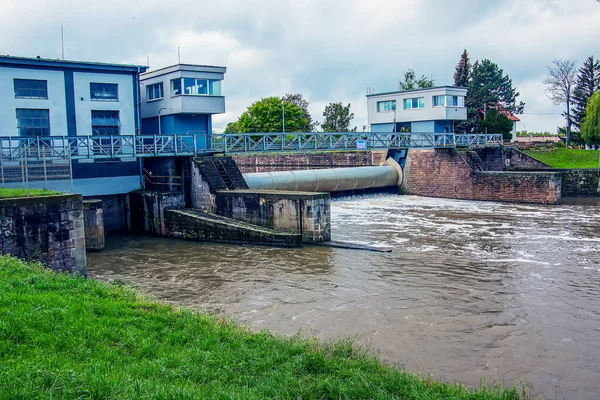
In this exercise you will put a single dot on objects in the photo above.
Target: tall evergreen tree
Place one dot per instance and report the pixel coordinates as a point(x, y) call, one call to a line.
point(463, 70)
point(489, 88)
point(588, 83)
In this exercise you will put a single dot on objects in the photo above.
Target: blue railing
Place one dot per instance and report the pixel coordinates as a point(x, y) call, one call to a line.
point(135, 146)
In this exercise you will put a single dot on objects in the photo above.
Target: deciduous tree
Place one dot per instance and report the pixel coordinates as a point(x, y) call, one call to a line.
point(411, 82)
point(588, 83)
point(561, 85)
point(266, 115)
point(337, 118)
point(299, 100)
point(590, 127)
point(231, 128)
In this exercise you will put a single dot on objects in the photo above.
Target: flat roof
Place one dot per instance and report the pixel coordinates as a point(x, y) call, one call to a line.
point(69, 64)
point(416, 90)
point(183, 67)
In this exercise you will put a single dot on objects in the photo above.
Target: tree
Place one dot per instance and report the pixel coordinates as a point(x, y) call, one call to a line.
point(337, 118)
point(590, 128)
point(266, 115)
point(411, 82)
point(489, 88)
point(463, 71)
point(303, 103)
point(561, 84)
point(495, 122)
point(231, 128)
point(588, 83)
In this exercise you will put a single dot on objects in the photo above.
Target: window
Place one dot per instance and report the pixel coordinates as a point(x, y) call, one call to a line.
point(33, 122)
point(417, 102)
point(31, 89)
point(450, 101)
point(387, 105)
point(195, 87)
point(105, 123)
point(155, 91)
point(104, 91)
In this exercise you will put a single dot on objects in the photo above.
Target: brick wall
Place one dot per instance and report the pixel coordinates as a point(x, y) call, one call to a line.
point(446, 173)
point(48, 229)
point(316, 160)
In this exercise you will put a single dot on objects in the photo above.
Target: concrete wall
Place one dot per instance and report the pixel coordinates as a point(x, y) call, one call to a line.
point(301, 161)
point(47, 229)
point(446, 173)
point(148, 210)
point(292, 212)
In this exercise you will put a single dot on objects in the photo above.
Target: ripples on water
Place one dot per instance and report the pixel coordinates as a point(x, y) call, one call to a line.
point(472, 290)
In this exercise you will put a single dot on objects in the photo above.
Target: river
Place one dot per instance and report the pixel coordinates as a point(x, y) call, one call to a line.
point(472, 290)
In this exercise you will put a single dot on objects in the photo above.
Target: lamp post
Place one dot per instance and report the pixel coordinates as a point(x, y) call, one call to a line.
point(283, 116)
point(394, 120)
point(159, 129)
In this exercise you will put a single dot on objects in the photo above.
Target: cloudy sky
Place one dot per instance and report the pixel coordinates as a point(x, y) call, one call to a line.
point(328, 50)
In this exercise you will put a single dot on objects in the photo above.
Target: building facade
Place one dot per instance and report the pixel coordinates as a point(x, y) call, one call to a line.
point(423, 110)
point(181, 99)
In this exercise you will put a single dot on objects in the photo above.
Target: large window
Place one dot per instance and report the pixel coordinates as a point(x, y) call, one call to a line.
point(105, 123)
point(387, 105)
point(33, 122)
point(449, 101)
point(155, 91)
point(417, 102)
point(195, 87)
point(31, 89)
point(104, 91)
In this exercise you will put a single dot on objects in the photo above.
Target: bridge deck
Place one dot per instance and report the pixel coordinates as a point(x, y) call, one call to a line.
point(135, 146)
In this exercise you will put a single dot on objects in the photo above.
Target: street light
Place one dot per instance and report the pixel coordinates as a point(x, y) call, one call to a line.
point(159, 130)
point(283, 116)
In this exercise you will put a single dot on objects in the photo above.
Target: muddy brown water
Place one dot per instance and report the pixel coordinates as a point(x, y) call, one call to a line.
point(472, 290)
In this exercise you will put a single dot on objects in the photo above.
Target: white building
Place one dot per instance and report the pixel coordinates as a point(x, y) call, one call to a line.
point(422, 110)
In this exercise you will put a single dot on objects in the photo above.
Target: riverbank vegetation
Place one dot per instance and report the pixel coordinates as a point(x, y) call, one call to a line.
point(67, 337)
point(9, 193)
point(560, 157)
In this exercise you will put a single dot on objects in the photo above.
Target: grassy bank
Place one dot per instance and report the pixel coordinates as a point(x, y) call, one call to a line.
point(560, 157)
point(8, 193)
point(67, 337)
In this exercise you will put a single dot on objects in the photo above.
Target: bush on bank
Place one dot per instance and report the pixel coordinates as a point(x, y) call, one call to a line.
point(67, 337)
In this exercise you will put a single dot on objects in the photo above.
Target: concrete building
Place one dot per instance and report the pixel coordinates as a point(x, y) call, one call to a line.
point(422, 110)
point(183, 98)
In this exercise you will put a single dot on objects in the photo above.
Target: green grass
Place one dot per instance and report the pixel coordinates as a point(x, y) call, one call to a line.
point(560, 157)
point(66, 337)
point(9, 193)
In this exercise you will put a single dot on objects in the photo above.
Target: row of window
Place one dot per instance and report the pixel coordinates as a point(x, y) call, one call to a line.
point(38, 89)
point(419, 102)
point(186, 87)
point(36, 122)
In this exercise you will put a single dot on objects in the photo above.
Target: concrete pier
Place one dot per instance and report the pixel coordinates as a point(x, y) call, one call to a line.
point(93, 217)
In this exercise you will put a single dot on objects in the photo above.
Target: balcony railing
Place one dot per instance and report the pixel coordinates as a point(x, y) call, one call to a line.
point(135, 146)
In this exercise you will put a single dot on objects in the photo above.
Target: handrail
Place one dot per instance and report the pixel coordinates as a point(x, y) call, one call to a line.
point(135, 146)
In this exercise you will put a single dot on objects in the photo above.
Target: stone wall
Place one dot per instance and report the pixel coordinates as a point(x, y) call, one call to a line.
point(316, 160)
point(48, 229)
point(292, 212)
point(580, 182)
point(446, 173)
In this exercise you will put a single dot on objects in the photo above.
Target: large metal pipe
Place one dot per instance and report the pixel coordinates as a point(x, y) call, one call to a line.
point(327, 180)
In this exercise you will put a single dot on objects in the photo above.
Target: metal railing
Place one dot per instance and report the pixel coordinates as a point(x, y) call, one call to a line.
point(135, 146)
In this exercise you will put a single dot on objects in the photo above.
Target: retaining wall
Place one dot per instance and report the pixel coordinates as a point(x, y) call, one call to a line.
point(148, 210)
point(446, 173)
point(48, 229)
point(580, 182)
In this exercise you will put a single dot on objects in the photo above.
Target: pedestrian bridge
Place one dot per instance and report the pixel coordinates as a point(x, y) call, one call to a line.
point(136, 146)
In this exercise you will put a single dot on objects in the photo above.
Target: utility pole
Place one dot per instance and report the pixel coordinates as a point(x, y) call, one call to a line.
point(283, 116)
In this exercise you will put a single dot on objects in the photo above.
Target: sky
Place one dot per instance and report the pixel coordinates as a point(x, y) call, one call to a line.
point(327, 50)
